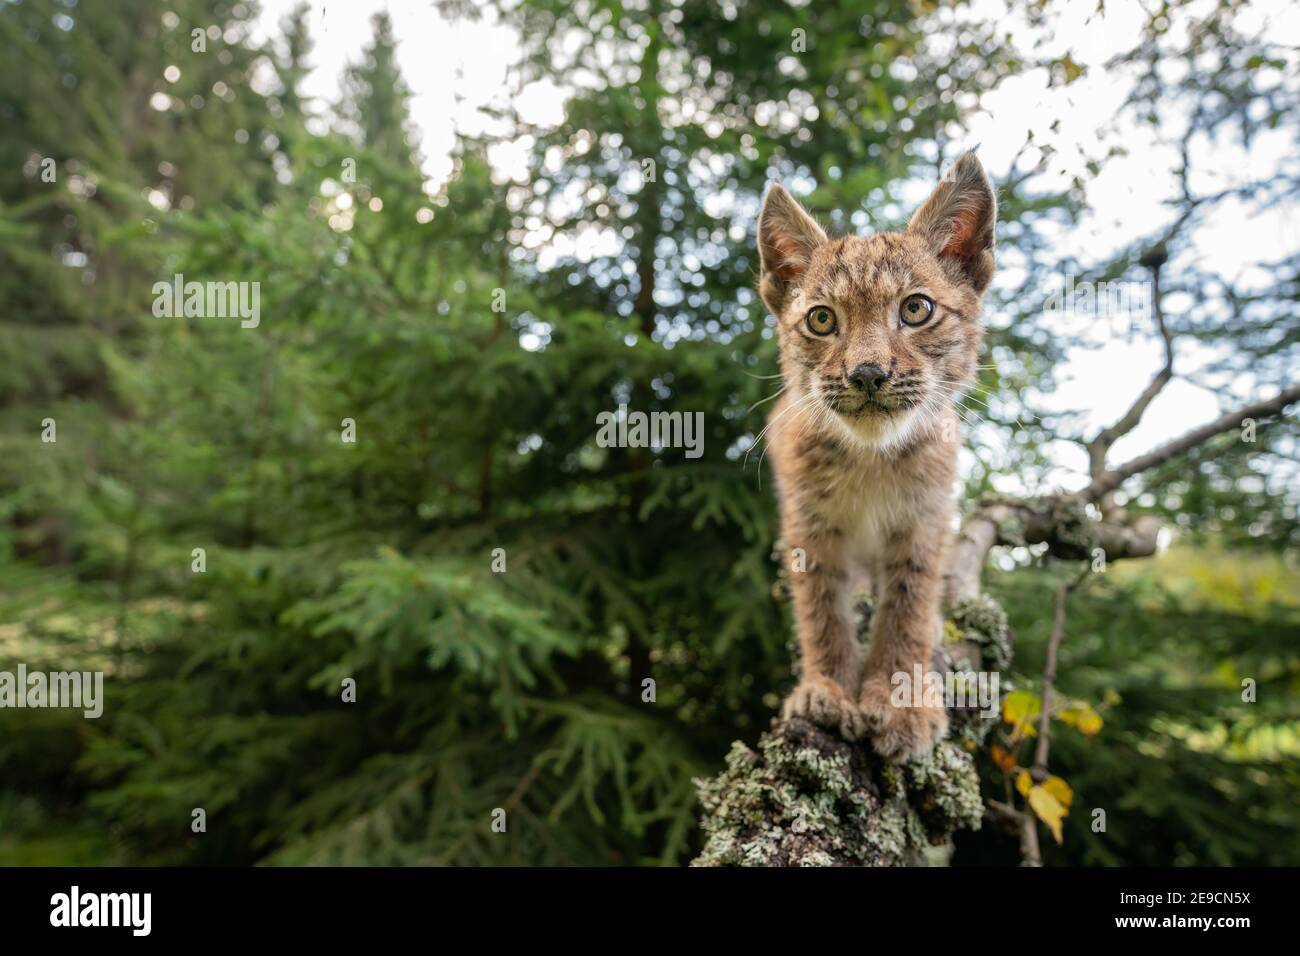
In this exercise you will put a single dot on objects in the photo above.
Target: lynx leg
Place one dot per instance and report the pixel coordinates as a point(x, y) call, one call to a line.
point(903, 631)
point(832, 659)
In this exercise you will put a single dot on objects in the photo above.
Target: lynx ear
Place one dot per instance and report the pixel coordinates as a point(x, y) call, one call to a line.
point(787, 236)
point(957, 221)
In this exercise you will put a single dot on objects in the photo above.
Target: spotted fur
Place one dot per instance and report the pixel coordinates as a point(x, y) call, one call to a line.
point(865, 474)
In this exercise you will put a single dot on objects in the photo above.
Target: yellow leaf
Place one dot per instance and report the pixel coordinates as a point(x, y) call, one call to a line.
point(1021, 708)
point(1082, 716)
point(952, 634)
point(1048, 809)
point(1021, 704)
point(1090, 723)
point(1024, 783)
point(1059, 789)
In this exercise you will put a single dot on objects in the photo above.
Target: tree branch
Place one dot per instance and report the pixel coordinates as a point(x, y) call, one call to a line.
point(1113, 478)
point(1101, 444)
point(1059, 521)
point(1039, 768)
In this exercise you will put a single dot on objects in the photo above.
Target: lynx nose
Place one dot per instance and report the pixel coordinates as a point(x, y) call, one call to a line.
point(869, 377)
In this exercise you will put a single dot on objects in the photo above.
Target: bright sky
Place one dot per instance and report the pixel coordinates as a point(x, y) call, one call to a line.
point(454, 69)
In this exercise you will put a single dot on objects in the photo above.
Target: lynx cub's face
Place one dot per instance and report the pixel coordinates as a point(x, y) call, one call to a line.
point(879, 334)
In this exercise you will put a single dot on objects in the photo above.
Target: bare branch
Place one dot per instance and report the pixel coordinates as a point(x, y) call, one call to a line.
point(1101, 444)
point(1029, 852)
point(1039, 768)
point(1113, 478)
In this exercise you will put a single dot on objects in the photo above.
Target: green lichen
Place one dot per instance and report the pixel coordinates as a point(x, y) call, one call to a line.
point(982, 620)
point(806, 797)
point(1063, 523)
point(987, 647)
point(1011, 531)
point(1074, 534)
point(944, 790)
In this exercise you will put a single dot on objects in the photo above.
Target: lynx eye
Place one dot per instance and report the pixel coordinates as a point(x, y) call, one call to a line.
point(821, 321)
point(916, 310)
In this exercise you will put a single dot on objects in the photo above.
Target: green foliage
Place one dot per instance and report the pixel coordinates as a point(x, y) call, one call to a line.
point(1186, 770)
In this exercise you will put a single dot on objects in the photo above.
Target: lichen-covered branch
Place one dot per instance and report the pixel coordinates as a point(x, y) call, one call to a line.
point(1062, 523)
point(808, 797)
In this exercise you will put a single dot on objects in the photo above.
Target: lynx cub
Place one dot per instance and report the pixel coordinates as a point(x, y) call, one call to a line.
point(878, 336)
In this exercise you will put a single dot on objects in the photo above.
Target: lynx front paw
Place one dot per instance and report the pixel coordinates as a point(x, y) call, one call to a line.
point(825, 702)
point(900, 733)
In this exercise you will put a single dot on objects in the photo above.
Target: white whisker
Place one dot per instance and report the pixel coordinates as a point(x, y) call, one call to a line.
point(768, 399)
point(786, 411)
